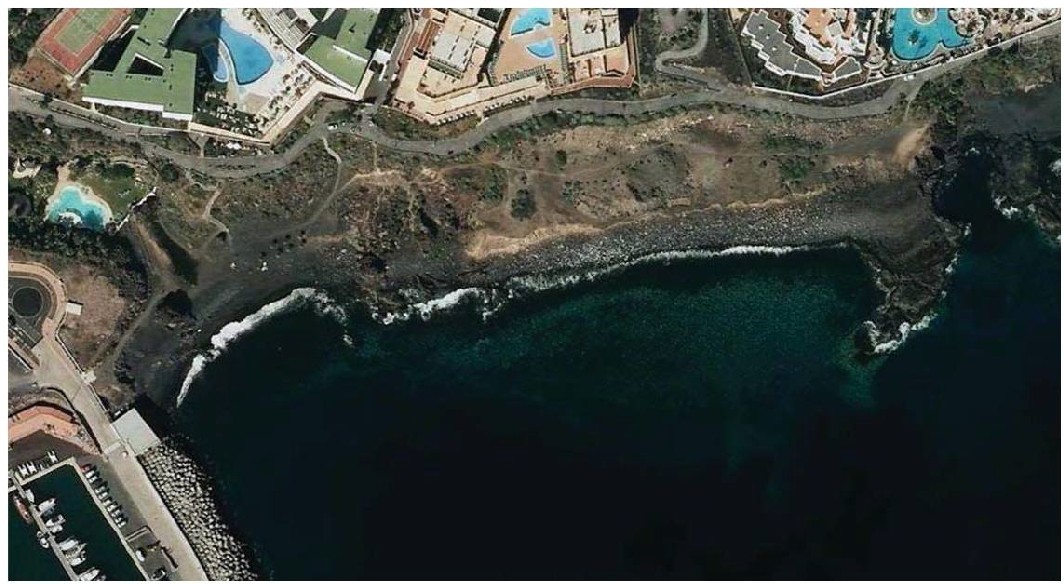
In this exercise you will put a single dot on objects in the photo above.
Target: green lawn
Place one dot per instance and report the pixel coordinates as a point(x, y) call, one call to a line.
point(118, 192)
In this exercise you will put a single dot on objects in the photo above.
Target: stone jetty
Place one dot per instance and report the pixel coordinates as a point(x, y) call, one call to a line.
point(187, 490)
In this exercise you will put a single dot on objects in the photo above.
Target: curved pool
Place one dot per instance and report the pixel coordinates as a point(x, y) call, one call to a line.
point(72, 207)
point(528, 20)
point(914, 40)
point(251, 60)
point(543, 49)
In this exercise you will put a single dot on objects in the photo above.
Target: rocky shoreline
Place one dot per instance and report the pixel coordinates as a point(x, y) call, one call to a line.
point(188, 491)
point(893, 226)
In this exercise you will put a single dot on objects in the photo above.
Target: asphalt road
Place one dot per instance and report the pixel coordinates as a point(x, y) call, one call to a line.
point(71, 115)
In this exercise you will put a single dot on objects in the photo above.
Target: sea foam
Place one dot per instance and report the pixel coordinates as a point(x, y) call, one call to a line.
point(904, 330)
point(547, 282)
point(322, 304)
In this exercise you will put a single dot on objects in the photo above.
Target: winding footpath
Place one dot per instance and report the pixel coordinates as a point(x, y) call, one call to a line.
point(71, 115)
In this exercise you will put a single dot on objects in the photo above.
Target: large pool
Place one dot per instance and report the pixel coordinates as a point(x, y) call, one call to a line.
point(73, 208)
point(251, 60)
point(529, 19)
point(914, 40)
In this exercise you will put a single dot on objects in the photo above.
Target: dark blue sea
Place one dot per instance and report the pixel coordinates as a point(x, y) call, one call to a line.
point(697, 419)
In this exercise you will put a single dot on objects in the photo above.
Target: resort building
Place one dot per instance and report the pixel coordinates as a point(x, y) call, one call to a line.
point(339, 45)
point(825, 45)
point(149, 76)
point(51, 420)
point(767, 36)
point(294, 25)
point(458, 63)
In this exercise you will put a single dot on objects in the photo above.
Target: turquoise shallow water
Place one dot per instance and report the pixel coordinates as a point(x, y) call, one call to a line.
point(703, 419)
point(70, 202)
point(913, 40)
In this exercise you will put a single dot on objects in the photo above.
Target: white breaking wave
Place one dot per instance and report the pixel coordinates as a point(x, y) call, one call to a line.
point(546, 282)
point(492, 299)
point(234, 330)
point(427, 309)
point(1008, 212)
point(903, 333)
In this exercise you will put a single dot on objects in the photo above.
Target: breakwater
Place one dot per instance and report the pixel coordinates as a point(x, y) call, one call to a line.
point(186, 489)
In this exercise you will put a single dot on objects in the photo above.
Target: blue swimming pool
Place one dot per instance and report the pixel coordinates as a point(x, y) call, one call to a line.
point(529, 19)
point(543, 49)
point(217, 62)
point(914, 40)
point(250, 59)
point(73, 208)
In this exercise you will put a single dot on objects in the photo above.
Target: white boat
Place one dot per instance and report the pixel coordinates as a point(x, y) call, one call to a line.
point(89, 575)
point(41, 539)
point(46, 505)
point(68, 544)
point(55, 529)
point(77, 560)
point(78, 550)
point(57, 520)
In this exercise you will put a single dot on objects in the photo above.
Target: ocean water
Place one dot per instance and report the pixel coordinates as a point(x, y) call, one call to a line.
point(697, 419)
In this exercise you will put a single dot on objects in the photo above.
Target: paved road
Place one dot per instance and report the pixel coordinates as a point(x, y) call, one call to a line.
point(57, 369)
point(26, 101)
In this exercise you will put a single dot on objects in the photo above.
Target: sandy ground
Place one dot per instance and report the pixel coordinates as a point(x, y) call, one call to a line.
point(485, 245)
point(89, 334)
point(910, 145)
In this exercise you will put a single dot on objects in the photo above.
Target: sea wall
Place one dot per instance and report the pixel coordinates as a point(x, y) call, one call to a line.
point(187, 490)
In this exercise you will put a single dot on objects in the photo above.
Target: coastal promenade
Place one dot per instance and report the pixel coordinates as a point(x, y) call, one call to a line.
point(58, 369)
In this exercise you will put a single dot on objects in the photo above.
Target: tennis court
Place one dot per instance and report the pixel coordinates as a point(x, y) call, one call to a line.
point(77, 34)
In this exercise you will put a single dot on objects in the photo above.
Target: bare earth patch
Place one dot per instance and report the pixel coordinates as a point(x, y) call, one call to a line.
point(90, 334)
point(488, 244)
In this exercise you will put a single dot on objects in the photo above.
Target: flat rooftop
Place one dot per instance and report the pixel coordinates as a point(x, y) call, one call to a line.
point(172, 90)
point(347, 55)
point(135, 432)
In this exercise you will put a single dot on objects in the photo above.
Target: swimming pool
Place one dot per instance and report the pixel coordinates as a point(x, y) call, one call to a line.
point(914, 40)
point(216, 61)
point(73, 208)
point(529, 19)
point(250, 59)
point(543, 49)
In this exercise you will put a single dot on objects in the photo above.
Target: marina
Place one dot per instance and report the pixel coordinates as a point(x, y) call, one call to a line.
point(83, 534)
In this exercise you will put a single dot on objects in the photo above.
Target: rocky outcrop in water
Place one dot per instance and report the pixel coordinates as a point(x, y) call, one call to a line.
point(186, 489)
